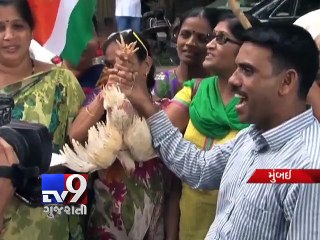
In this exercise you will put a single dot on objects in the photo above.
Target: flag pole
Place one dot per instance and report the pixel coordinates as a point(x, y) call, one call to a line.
point(235, 7)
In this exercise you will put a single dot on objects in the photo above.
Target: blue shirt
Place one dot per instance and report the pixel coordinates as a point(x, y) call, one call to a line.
point(251, 211)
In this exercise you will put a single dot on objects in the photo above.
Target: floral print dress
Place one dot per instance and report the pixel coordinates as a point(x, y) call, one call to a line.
point(166, 84)
point(128, 205)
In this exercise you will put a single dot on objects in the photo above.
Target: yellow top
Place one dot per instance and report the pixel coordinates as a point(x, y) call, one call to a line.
point(197, 207)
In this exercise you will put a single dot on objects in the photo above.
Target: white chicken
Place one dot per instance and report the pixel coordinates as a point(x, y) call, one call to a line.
point(125, 135)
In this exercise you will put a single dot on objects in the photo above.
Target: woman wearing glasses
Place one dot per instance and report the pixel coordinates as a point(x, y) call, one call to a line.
point(193, 34)
point(206, 112)
point(127, 205)
point(212, 119)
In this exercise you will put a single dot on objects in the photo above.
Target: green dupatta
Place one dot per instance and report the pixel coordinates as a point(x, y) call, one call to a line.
point(52, 98)
point(208, 113)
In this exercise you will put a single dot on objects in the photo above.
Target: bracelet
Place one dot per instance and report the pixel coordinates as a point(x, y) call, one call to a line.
point(87, 110)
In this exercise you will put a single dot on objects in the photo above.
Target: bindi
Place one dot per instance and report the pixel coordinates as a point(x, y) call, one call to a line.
point(5, 21)
point(12, 20)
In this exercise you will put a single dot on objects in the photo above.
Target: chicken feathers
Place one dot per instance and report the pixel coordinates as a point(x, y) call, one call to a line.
point(125, 135)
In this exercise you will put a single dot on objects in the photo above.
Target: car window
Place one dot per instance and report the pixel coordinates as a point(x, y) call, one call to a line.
point(285, 9)
point(249, 3)
point(305, 6)
point(264, 9)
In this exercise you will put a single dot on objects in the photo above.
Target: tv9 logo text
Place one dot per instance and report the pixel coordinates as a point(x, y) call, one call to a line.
point(64, 189)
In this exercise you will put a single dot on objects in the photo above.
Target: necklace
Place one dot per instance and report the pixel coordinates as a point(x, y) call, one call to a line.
point(32, 65)
point(15, 81)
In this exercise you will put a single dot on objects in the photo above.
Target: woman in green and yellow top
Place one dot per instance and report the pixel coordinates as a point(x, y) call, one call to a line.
point(211, 122)
point(206, 111)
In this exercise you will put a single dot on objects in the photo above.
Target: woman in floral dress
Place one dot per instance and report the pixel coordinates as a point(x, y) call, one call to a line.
point(127, 205)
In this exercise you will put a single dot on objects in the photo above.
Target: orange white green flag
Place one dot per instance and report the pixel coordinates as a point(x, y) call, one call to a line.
point(64, 27)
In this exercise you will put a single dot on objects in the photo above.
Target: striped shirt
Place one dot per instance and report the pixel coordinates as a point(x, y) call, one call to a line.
point(251, 211)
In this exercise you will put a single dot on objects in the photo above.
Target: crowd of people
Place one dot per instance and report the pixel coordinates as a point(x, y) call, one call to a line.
point(239, 100)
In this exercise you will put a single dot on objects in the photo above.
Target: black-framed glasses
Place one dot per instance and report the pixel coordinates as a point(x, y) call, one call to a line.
point(222, 38)
point(108, 64)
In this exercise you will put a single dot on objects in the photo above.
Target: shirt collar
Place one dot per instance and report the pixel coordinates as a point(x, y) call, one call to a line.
point(261, 145)
point(275, 138)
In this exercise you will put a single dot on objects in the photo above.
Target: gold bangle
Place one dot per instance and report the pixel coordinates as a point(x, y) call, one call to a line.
point(87, 110)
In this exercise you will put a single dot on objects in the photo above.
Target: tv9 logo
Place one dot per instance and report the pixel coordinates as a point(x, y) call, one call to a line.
point(64, 189)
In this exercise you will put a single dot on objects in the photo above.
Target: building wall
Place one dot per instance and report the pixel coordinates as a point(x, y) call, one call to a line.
point(105, 9)
point(174, 8)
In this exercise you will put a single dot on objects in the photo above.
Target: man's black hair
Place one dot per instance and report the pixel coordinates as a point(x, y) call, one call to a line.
point(291, 47)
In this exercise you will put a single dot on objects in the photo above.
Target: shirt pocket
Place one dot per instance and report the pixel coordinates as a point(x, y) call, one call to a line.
point(257, 216)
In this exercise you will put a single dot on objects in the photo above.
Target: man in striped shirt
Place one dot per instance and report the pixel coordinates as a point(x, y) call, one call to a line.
point(276, 67)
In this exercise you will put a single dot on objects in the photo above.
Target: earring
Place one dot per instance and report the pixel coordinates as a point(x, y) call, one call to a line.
point(146, 74)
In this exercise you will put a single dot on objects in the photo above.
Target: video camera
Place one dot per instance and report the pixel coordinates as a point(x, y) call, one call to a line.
point(32, 144)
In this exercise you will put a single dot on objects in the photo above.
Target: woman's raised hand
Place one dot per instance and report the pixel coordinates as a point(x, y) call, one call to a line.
point(126, 75)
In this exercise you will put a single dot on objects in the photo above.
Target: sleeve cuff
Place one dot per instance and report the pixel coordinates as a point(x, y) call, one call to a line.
point(159, 123)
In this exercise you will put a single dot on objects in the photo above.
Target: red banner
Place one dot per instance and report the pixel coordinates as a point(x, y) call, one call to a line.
point(285, 176)
point(45, 13)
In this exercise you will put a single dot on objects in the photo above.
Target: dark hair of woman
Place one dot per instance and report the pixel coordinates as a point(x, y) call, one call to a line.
point(234, 24)
point(23, 9)
point(210, 14)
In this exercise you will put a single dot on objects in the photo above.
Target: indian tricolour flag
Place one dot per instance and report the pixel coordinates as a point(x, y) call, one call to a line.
point(64, 27)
